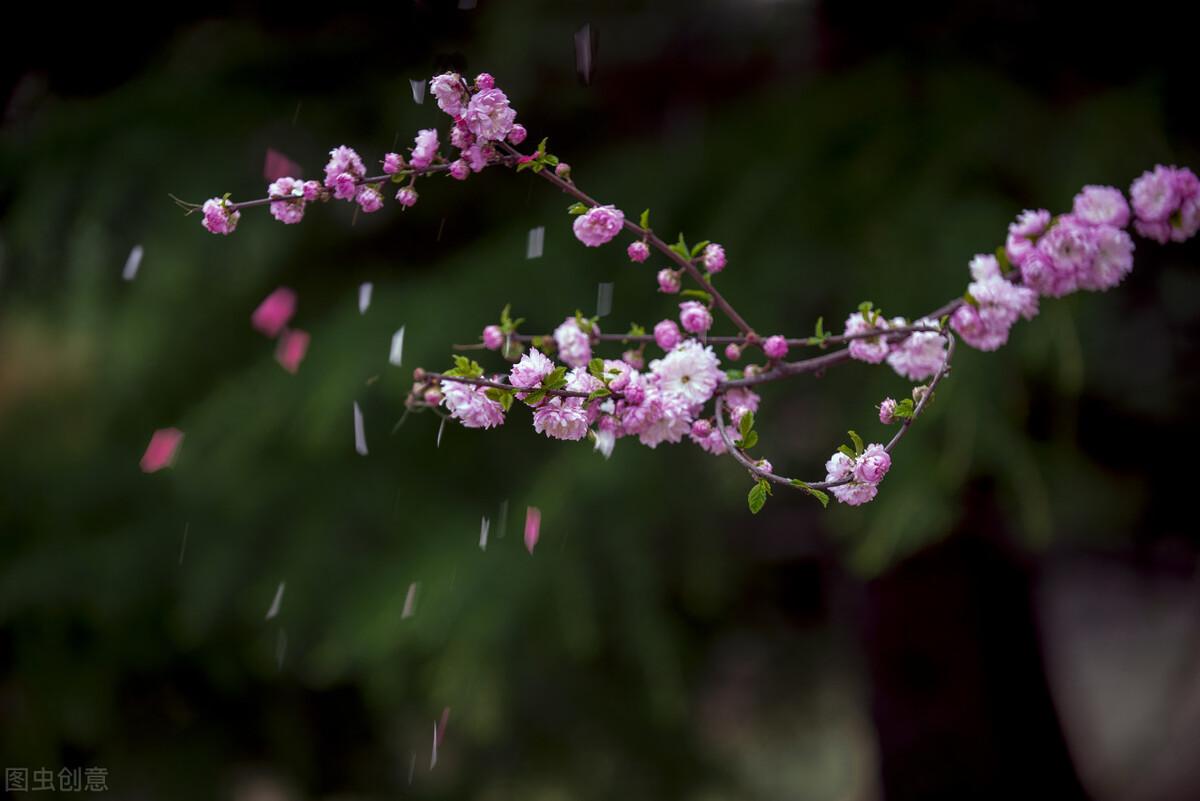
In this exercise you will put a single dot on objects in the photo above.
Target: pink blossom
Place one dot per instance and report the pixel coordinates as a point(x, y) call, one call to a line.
point(574, 344)
point(477, 156)
point(689, 372)
point(1024, 232)
point(919, 355)
point(217, 217)
point(161, 452)
point(714, 258)
point(866, 349)
point(425, 149)
point(489, 116)
point(841, 467)
point(1042, 274)
point(706, 435)
point(493, 337)
point(448, 89)
point(561, 418)
point(740, 401)
point(1112, 259)
point(484, 80)
point(634, 359)
point(530, 370)
point(432, 396)
point(668, 280)
point(872, 464)
point(407, 197)
point(470, 405)
point(733, 352)
point(776, 347)
point(274, 312)
point(517, 134)
point(460, 137)
point(563, 170)
point(291, 349)
point(695, 316)
point(1158, 231)
point(660, 418)
point(1071, 246)
point(343, 171)
point(393, 163)
point(666, 334)
point(983, 266)
point(765, 466)
point(1155, 194)
point(887, 411)
point(289, 211)
point(998, 304)
point(368, 199)
point(638, 252)
point(599, 225)
point(1101, 205)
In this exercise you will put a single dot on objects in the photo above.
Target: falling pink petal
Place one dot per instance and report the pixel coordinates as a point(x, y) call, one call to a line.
point(161, 451)
point(278, 165)
point(533, 526)
point(291, 349)
point(441, 729)
point(274, 312)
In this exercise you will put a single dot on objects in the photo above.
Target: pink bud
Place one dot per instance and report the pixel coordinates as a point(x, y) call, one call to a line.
point(776, 347)
point(701, 429)
point(393, 163)
point(634, 359)
point(733, 352)
point(160, 453)
point(517, 134)
point(274, 312)
point(485, 81)
point(563, 170)
point(407, 197)
point(666, 334)
point(638, 252)
point(695, 316)
point(432, 397)
point(459, 170)
point(887, 411)
point(668, 281)
point(493, 337)
point(714, 258)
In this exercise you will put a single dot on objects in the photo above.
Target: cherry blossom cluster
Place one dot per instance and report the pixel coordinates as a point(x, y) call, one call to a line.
point(575, 391)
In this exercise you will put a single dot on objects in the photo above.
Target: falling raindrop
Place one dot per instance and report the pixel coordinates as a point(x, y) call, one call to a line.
point(132, 263)
point(274, 610)
point(397, 354)
point(410, 601)
point(537, 238)
point(183, 545)
point(418, 89)
point(484, 525)
point(364, 296)
point(360, 438)
point(604, 296)
point(441, 428)
point(502, 518)
point(433, 756)
point(412, 766)
point(585, 54)
point(533, 527)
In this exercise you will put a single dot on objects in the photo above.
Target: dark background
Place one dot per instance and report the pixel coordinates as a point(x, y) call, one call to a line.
point(1015, 616)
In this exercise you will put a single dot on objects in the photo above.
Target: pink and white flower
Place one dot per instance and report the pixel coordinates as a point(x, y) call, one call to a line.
point(574, 344)
point(599, 225)
point(470, 405)
point(489, 116)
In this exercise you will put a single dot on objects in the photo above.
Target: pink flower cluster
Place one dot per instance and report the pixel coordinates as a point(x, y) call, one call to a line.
point(218, 217)
point(470, 405)
point(599, 225)
point(993, 306)
point(482, 117)
point(864, 473)
point(1166, 202)
point(298, 192)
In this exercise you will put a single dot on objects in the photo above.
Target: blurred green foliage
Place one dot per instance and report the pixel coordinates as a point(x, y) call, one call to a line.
point(584, 670)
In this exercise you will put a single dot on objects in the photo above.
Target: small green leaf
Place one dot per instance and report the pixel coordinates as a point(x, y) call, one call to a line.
point(502, 396)
point(820, 330)
point(1002, 259)
point(577, 208)
point(904, 409)
point(846, 450)
point(816, 493)
point(757, 496)
point(858, 443)
point(542, 146)
point(733, 375)
point(535, 397)
point(699, 246)
point(970, 299)
point(680, 248)
point(505, 320)
point(746, 425)
point(551, 159)
point(596, 368)
point(557, 378)
point(749, 441)
point(646, 219)
point(603, 392)
point(697, 293)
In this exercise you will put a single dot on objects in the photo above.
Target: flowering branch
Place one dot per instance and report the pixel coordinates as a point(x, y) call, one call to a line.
point(604, 399)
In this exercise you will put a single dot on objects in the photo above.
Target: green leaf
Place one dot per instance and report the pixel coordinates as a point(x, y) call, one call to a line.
point(697, 293)
point(551, 159)
point(502, 396)
point(538, 166)
point(749, 441)
point(904, 409)
point(542, 146)
point(816, 493)
point(596, 368)
point(1002, 259)
point(577, 208)
point(603, 392)
point(535, 397)
point(970, 299)
point(820, 330)
point(646, 219)
point(699, 246)
point(680, 248)
point(858, 443)
point(557, 378)
point(846, 450)
point(746, 425)
point(636, 330)
point(733, 375)
point(505, 320)
point(757, 497)
point(465, 368)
